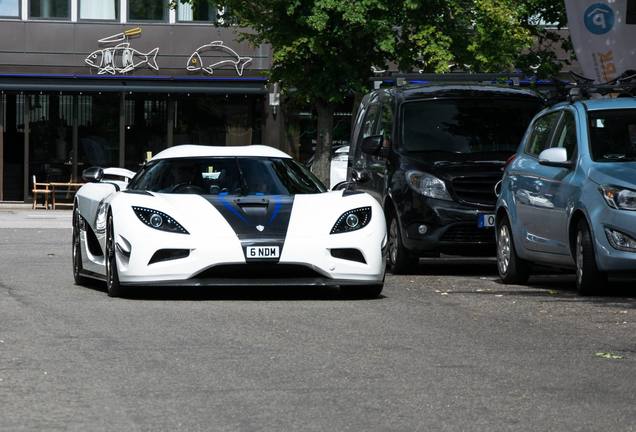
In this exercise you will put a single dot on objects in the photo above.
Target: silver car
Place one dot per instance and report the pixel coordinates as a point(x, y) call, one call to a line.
point(568, 198)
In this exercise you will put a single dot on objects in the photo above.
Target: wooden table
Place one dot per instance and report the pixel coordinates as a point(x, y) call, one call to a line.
point(68, 187)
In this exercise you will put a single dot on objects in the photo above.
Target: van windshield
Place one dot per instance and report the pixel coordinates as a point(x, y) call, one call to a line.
point(466, 125)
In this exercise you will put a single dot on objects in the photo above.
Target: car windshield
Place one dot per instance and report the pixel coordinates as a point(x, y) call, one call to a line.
point(464, 126)
point(613, 135)
point(226, 176)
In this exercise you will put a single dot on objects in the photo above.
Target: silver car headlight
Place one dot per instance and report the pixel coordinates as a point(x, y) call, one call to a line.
point(428, 185)
point(619, 198)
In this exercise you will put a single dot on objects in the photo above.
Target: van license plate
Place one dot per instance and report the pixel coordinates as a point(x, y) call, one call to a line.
point(263, 252)
point(486, 220)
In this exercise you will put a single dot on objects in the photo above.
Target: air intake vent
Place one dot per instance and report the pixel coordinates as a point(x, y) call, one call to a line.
point(348, 254)
point(168, 255)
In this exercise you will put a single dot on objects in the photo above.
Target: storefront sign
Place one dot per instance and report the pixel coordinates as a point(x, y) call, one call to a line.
point(121, 58)
point(603, 34)
point(223, 56)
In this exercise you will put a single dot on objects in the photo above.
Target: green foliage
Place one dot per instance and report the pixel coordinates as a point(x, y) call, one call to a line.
point(324, 49)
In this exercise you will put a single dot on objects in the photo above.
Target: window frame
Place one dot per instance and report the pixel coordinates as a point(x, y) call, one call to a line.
point(559, 114)
point(15, 17)
point(165, 19)
point(559, 129)
point(220, 11)
point(101, 20)
point(32, 18)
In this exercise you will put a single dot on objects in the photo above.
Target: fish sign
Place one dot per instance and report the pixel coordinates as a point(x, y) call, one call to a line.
point(121, 58)
point(224, 56)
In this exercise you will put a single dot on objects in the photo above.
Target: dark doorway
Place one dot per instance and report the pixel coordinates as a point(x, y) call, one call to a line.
point(12, 147)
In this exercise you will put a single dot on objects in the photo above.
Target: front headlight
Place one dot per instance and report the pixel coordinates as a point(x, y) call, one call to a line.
point(352, 220)
point(427, 185)
point(619, 198)
point(159, 220)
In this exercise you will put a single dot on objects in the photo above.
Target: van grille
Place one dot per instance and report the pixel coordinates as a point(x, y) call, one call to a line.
point(468, 234)
point(478, 190)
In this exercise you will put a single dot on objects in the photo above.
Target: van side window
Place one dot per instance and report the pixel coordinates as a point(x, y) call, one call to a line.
point(367, 129)
point(542, 129)
point(386, 123)
point(566, 134)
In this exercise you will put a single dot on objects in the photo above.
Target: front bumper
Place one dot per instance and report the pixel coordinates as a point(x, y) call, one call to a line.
point(451, 227)
point(608, 258)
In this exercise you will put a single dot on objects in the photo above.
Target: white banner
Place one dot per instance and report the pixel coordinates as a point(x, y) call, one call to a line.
point(604, 36)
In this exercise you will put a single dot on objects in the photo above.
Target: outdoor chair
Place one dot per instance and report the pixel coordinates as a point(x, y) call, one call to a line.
point(43, 190)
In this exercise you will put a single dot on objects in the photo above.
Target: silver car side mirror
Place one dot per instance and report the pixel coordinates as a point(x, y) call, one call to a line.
point(555, 157)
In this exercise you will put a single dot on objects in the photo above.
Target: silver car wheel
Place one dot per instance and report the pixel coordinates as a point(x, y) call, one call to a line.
point(579, 257)
point(503, 249)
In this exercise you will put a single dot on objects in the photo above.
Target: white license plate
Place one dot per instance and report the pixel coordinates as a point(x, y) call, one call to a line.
point(263, 252)
point(486, 220)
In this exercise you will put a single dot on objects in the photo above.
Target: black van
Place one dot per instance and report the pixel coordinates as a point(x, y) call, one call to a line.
point(432, 155)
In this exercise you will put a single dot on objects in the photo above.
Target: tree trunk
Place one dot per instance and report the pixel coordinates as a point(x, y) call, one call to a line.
point(322, 155)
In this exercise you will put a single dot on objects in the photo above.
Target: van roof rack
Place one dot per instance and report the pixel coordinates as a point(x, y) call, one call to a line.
point(401, 79)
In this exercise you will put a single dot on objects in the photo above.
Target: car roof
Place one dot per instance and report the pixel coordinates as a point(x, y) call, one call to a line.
point(460, 90)
point(606, 104)
point(189, 150)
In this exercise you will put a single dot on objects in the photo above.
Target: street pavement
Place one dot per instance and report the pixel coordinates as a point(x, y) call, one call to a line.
point(445, 349)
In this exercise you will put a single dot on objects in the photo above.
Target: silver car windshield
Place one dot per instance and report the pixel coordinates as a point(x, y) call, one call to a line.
point(226, 176)
point(613, 135)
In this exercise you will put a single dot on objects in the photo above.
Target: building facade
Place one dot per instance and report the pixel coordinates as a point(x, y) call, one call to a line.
point(112, 82)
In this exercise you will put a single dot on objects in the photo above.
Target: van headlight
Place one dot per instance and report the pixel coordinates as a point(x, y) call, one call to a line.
point(619, 198)
point(427, 185)
point(159, 220)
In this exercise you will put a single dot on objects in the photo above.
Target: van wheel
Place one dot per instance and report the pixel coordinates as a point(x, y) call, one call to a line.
point(589, 279)
point(400, 260)
point(512, 269)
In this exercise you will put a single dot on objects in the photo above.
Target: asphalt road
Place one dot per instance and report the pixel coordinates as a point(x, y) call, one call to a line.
point(447, 349)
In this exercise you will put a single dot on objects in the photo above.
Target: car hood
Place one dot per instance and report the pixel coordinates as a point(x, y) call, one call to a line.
point(621, 174)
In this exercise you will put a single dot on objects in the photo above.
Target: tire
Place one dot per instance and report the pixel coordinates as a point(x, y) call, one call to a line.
point(399, 259)
point(511, 268)
point(589, 279)
point(77, 250)
point(113, 286)
point(363, 292)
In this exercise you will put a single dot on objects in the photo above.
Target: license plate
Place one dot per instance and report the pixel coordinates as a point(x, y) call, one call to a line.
point(263, 252)
point(486, 220)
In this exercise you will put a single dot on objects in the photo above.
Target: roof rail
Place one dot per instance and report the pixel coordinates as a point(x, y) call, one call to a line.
point(401, 79)
point(585, 88)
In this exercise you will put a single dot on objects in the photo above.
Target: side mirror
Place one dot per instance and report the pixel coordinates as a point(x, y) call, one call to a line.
point(372, 144)
point(555, 157)
point(93, 174)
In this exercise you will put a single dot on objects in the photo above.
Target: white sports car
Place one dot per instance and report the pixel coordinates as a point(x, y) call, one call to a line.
point(206, 216)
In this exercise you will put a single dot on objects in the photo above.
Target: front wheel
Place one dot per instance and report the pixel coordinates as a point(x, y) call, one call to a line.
point(77, 250)
point(112, 275)
point(400, 260)
point(589, 279)
point(512, 269)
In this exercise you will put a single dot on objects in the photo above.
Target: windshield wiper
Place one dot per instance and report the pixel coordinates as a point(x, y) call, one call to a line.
point(619, 157)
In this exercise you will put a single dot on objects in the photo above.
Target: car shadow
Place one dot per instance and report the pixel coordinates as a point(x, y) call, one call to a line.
point(240, 293)
point(455, 266)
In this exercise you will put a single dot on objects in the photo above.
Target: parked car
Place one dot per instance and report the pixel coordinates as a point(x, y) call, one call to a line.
point(568, 199)
point(431, 155)
point(338, 165)
point(208, 216)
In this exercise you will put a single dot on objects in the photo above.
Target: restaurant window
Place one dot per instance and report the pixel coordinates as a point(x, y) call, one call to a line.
point(202, 11)
point(98, 131)
point(99, 9)
point(10, 8)
point(146, 128)
point(147, 10)
point(49, 9)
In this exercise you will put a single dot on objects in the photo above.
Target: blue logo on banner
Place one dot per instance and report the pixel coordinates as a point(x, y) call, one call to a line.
point(599, 18)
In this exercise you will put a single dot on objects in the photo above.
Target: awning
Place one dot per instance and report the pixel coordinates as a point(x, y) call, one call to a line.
point(17, 83)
